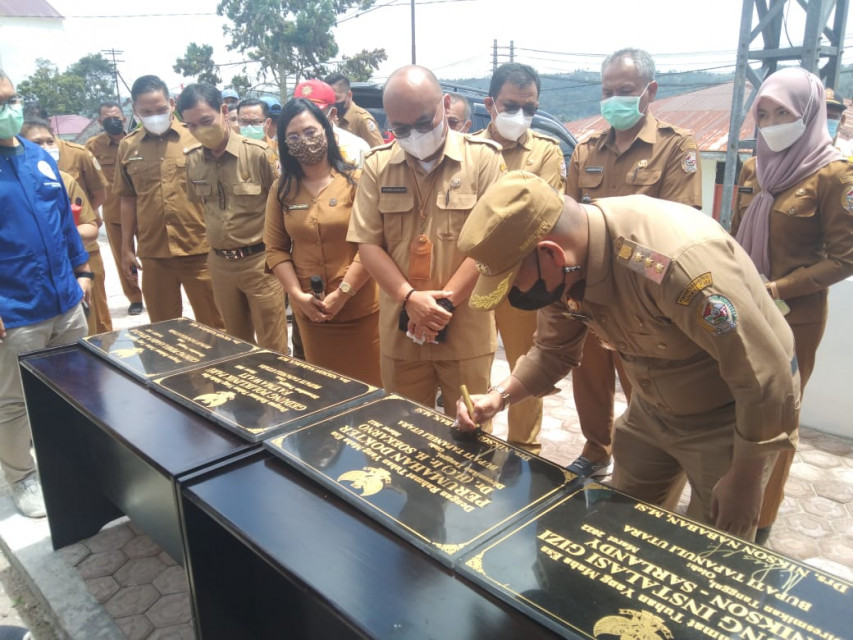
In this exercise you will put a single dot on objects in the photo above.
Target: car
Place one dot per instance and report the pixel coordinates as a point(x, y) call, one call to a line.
point(369, 96)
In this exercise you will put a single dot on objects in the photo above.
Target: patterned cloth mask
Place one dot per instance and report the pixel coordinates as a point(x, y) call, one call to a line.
point(309, 151)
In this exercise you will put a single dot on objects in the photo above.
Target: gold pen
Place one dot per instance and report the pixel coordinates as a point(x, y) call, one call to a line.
point(466, 398)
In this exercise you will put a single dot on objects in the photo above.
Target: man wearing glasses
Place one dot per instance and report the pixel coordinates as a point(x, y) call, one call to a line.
point(413, 198)
point(459, 113)
point(171, 242)
point(231, 177)
point(637, 154)
point(512, 102)
point(44, 275)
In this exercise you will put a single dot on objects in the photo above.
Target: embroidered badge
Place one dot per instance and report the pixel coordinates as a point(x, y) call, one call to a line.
point(695, 286)
point(46, 169)
point(563, 170)
point(371, 125)
point(96, 164)
point(490, 300)
point(393, 189)
point(847, 199)
point(688, 162)
point(333, 202)
point(717, 314)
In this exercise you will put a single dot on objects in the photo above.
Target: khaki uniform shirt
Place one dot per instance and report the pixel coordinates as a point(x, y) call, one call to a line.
point(153, 169)
point(105, 151)
point(361, 123)
point(533, 152)
point(689, 316)
point(311, 232)
point(87, 213)
point(78, 161)
point(233, 190)
point(810, 241)
point(386, 214)
point(662, 162)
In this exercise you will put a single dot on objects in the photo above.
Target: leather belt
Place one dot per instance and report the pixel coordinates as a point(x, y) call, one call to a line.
point(242, 252)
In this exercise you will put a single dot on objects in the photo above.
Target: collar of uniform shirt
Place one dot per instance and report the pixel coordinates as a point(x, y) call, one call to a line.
point(599, 285)
point(649, 133)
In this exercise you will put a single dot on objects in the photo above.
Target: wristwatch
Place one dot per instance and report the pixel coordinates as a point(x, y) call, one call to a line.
point(346, 288)
point(84, 274)
point(503, 393)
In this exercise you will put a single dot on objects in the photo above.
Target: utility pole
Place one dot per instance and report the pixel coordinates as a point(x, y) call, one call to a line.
point(495, 56)
point(414, 57)
point(113, 53)
point(771, 16)
point(512, 50)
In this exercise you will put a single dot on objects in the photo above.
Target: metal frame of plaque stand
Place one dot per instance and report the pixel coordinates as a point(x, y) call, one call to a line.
point(397, 462)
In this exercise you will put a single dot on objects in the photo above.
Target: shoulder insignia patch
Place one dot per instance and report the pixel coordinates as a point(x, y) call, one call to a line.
point(847, 198)
point(688, 161)
point(563, 170)
point(717, 314)
point(192, 148)
point(95, 162)
point(694, 287)
point(371, 125)
point(648, 263)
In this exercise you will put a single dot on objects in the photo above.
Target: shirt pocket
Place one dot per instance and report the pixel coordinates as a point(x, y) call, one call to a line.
point(800, 203)
point(391, 206)
point(643, 180)
point(453, 210)
point(590, 182)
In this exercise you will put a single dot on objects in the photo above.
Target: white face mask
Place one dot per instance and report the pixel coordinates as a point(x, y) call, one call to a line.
point(781, 136)
point(423, 145)
point(54, 153)
point(512, 126)
point(158, 124)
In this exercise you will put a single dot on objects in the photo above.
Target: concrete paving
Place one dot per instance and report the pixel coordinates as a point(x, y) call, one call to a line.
point(120, 584)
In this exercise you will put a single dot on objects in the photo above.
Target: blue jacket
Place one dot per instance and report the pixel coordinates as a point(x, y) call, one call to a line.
point(39, 243)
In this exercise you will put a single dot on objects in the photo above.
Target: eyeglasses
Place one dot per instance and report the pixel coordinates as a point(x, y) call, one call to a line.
point(405, 130)
point(512, 108)
point(250, 123)
point(454, 123)
point(308, 134)
point(13, 102)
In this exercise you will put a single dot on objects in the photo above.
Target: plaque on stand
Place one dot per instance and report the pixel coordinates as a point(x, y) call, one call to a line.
point(261, 394)
point(166, 347)
point(398, 462)
point(603, 565)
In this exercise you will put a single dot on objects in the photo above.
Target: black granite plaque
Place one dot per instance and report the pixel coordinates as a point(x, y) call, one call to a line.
point(397, 461)
point(603, 565)
point(261, 394)
point(164, 347)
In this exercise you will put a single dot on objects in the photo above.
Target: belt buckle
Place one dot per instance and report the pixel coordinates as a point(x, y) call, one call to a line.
point(234, 254)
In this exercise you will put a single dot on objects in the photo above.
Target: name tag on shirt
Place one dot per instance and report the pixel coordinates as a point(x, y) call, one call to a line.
point(394, 189)
point(593, 169)
point(297, 207)
point(744, 189)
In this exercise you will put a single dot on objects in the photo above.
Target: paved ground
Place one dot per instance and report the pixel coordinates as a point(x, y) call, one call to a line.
point(120, 581)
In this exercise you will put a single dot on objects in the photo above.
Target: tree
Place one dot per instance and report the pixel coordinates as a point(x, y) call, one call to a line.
point(240, 83)
point(59, 93)
point(289, 38)
point(198, 62)
point(360, 67)
point(98, 80)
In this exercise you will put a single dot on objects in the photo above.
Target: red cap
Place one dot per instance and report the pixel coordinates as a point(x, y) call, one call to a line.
point(316, 91)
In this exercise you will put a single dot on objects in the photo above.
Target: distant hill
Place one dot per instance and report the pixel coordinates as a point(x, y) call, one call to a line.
point(575, 95)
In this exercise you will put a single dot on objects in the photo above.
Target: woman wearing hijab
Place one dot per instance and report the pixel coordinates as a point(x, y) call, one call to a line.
point(307, 217)
point(795, 219)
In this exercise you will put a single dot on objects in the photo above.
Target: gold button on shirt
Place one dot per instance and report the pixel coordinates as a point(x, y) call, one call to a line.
point(153, 169)
point(386, 214)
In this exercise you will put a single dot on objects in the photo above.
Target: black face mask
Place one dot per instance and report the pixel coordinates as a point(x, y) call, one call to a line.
point(538, 295)
point(341, 107)
point(113, 126)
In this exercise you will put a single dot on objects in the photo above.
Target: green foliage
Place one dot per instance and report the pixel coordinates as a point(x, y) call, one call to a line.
point(360, 67)
point(289, 38)
point(240, 83)
point(98, 81)
point(198, 63)
point(59, 93)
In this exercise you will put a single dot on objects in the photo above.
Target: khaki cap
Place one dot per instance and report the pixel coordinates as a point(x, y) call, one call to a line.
point(503, 228)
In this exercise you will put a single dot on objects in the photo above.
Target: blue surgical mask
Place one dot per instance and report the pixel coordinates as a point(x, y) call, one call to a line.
point(622, 112)
point(832, 125)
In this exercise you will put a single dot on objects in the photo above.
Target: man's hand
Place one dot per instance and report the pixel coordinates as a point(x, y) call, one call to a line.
point(736, 498)
point(425, 313)
point(486, 407)
point(86, 286)
point(129, 261)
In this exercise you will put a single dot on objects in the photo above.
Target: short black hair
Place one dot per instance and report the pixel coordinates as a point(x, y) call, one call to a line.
point(232, 107)
point(35, 123)
point(255, 102)
point(35, 109)
point(147, 84)
point(199, 92)
point(518, 74)
point(109, 104)
point(335, 78)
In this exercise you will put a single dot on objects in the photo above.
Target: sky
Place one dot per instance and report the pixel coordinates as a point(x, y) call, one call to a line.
point(454, 38)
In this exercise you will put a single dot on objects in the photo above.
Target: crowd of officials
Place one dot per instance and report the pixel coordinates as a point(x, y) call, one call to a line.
point(404, 261)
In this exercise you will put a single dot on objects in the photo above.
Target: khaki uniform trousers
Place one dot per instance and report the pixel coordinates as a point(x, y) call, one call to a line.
point(807, 337)
point(251, 302)
point(162, 279)
point(99, 319)
point(129, 284)
point(594, 389)
point(67, 328)
point(516, 328)
point(419, 380)
point(655, 453)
